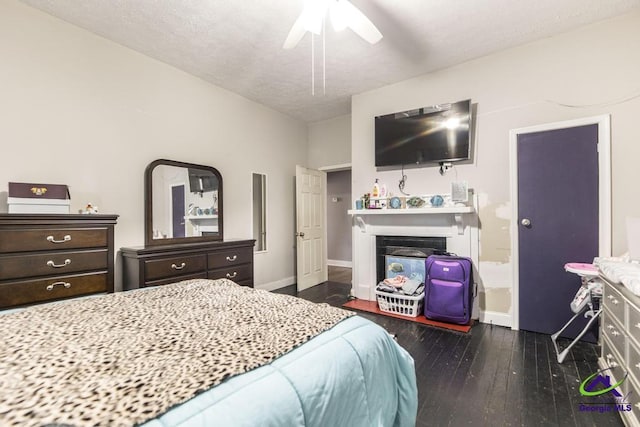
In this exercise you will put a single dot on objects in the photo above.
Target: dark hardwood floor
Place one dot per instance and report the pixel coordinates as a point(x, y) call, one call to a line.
point(491, 376)
point(339, 274)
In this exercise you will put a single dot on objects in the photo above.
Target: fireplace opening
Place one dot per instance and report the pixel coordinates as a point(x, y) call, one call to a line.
point(396, 248)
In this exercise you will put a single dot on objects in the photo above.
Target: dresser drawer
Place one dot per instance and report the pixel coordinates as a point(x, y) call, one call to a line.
point(237, 273)
point(48, 289)
point(25, 240)
point(166, 268)
point(614, 333)
point(611, 357)
point(167, 281)
point(52, 263)
point(634, 361)
point(230, 257)
point(614, 302)
point(633, 325)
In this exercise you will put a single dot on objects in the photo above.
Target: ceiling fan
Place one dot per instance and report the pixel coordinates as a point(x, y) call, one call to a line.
point(343, 14)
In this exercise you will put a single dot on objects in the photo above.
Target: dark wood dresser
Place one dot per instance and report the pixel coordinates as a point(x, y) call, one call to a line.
point(45, 257)
point(159, 265)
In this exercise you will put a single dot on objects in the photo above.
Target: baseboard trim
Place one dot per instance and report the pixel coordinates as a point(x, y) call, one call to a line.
point(339, 263)
point(495, 318)
point(272, 286)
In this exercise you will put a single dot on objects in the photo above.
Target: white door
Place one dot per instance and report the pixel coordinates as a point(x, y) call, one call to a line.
point(311, 254)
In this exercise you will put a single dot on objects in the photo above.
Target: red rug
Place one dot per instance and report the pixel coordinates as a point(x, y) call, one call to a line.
point(372, 307)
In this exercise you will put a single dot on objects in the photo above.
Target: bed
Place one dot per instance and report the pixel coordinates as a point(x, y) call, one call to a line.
point(201, 353)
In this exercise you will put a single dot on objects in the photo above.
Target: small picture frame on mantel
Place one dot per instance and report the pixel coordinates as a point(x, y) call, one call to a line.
point(459, 192)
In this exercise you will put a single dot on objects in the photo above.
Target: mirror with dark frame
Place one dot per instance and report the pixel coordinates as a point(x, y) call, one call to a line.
point(183, 203)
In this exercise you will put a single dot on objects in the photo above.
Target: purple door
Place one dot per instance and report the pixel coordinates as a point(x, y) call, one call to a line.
point(558, 199)
point(177, 210)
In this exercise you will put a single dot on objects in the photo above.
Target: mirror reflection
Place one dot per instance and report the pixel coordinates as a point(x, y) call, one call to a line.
point(185, 202)
point(259, 192)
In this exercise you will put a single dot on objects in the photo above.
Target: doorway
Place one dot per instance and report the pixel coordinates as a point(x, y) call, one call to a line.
point(339, 226)
point(177, 211)
point(560, 175)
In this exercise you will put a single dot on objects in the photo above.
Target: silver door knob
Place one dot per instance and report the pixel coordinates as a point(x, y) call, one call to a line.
point(526, 222)
point(301, 234)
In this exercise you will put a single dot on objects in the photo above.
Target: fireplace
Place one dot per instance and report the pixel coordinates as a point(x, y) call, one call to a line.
point(397, 248)
point(381, 232)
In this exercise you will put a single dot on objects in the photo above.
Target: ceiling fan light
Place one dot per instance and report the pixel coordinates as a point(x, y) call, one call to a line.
point(313, 15)
point(338, 15)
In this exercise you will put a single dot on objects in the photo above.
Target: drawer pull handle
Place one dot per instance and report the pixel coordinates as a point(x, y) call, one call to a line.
point(615, 302)
point(232, 258)
point(175, 267)
point(231, 276)
point(50, 263)
point(610, 296)
point(50, 287)
point(610, 326)
point(637, 325)
point(615, 333)
point(52, 239)
point(637, 365)
point(613, 364)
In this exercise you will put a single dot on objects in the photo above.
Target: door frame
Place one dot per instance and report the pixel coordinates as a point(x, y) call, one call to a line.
point(604, 194)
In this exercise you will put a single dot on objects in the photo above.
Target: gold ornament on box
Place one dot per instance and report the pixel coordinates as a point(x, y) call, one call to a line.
point(38, 191)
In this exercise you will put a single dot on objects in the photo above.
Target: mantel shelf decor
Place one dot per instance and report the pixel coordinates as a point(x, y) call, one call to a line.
point(443, 210)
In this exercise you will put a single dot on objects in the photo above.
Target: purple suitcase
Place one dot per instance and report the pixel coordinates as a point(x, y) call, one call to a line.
point(448, 289)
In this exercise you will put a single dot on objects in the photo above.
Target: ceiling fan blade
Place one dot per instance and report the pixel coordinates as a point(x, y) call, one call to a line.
point(360, 24)
point(296, 34)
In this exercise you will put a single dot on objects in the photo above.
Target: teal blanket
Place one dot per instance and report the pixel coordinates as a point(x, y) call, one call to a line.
point(352, 375)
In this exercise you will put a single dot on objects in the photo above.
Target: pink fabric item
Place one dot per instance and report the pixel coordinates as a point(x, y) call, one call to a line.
point(396, 282)
point(581, 269)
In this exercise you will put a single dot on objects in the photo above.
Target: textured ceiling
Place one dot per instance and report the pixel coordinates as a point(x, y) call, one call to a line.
point(237, 44)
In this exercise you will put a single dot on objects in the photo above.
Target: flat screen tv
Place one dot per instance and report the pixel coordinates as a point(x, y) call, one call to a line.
point(436, 134)
point(202, 181)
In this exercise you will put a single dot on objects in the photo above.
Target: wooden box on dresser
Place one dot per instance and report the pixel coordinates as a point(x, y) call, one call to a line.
point(45, 257)
point(160, 265)
point(620, 332)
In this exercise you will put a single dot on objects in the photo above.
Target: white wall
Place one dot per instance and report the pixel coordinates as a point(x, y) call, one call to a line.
point(80, 110)
point(583, 73)
point(330, 142)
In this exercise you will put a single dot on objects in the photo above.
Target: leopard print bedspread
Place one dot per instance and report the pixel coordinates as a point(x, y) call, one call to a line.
point(124, 358)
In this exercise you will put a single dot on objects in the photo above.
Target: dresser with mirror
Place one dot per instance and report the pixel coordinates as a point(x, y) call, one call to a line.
point(184, 236)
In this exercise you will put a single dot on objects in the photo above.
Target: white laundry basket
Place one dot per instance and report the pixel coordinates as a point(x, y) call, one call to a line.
point(403, 305)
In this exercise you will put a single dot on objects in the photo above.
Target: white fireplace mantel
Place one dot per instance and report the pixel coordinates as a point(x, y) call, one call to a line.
point(456, 211)
point(458, 224)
